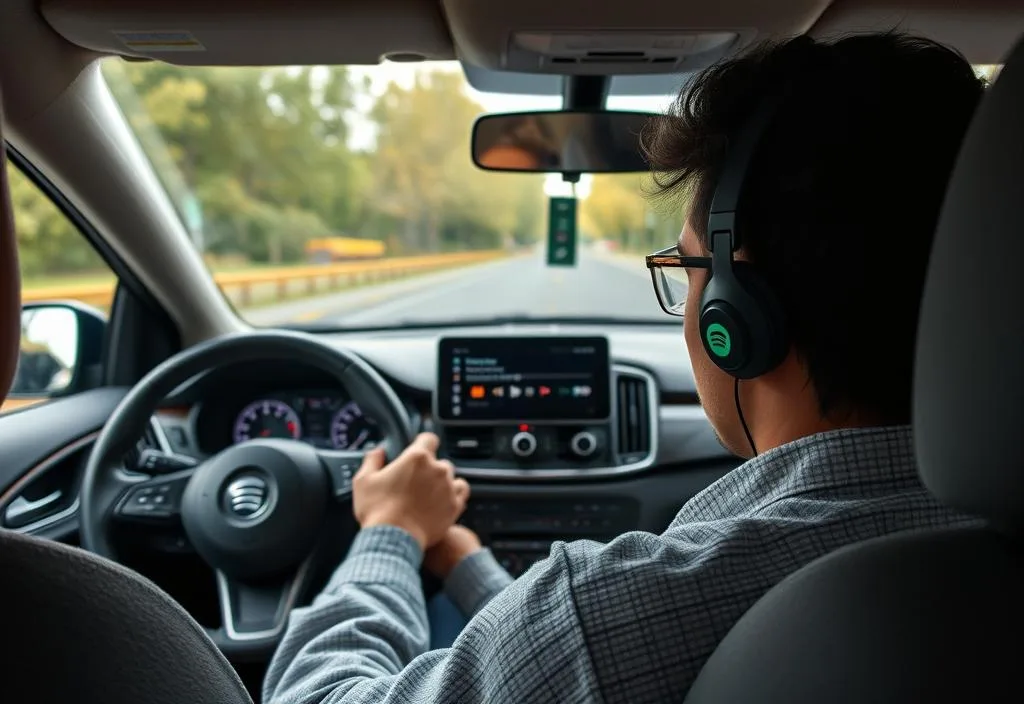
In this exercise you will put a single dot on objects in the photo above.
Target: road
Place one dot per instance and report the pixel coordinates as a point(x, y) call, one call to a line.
point(600, 285)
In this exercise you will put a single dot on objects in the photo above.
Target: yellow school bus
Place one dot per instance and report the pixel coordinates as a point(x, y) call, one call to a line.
point(339, 249)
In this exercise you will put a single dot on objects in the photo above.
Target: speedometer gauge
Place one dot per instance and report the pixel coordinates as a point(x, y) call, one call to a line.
point(267, 419)
point(351, 430)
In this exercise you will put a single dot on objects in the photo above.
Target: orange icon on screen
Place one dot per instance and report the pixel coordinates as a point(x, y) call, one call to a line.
point(476, 392)
point(545, 391)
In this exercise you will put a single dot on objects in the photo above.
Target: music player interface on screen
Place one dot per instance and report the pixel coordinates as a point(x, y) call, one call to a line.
point(523, 379)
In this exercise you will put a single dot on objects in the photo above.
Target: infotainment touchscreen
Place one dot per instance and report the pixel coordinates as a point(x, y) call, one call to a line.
point(519, 379)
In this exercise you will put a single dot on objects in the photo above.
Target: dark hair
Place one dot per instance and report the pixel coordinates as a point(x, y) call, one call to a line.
point(843, 195)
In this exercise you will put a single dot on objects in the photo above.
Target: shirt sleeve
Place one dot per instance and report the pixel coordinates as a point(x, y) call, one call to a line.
point(475, 581)
point(365, 638)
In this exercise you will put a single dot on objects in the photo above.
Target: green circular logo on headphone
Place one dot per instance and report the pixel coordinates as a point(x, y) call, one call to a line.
point(719, 340)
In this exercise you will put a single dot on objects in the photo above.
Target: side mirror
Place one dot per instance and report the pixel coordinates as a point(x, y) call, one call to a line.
point(61, 351)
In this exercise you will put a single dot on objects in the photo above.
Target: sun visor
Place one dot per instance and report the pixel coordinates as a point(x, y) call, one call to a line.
point(248, 33)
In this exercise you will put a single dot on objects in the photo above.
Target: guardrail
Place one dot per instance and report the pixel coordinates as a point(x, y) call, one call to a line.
point(245, 288)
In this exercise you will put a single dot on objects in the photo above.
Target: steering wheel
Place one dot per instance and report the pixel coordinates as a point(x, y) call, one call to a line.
point(256, 512)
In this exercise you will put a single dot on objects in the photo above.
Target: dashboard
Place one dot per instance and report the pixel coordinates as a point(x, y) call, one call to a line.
point(565, 432)
point(321, 418)
point(643, 411)
point(251, 400)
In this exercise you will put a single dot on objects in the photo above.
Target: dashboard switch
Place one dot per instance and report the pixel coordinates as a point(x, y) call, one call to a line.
point(583, 444)
point(157, 462)
point(524, 444)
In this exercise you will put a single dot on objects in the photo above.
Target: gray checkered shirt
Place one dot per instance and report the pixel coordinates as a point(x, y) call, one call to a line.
point(628, 621)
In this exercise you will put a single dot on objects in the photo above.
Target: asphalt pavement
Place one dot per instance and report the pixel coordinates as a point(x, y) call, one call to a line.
point(600, 285)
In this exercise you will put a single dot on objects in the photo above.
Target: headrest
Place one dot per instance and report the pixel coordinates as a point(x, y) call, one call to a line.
point(10, 279)
point(969, 374)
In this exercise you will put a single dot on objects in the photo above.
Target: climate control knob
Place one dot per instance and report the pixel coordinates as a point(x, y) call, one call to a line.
point(524, 444)
point(583, 444)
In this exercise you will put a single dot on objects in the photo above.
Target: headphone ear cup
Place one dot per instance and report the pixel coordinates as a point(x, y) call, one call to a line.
point(765, 320)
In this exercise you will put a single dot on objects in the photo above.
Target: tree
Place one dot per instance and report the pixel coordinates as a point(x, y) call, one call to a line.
point(618, 209)
point(424, 176)
point(268, 155)
point(47, 242)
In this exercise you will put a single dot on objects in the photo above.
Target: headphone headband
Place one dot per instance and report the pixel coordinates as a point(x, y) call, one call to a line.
point(729, 189)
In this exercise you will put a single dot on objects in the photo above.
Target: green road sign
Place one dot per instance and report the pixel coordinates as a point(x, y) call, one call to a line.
point(562, 232)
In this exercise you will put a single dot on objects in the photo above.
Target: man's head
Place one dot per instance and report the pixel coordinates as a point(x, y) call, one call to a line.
point(837, 216)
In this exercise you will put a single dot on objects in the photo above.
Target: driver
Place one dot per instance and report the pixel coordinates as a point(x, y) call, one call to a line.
point(840, 207)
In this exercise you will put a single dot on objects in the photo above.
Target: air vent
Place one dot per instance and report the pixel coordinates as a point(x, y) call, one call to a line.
point(634, 418)
point(469, 443)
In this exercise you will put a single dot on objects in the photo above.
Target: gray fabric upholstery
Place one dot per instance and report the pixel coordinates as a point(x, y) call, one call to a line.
point(930, 616)
point(969, 376)
point(79, 628)
point(919, 617)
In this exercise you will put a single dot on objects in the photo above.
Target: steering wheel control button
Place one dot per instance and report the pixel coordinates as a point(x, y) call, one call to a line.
point(583, 444)
point(247, 497)
point(341, 471)
point(524, 444)
point(158, 499)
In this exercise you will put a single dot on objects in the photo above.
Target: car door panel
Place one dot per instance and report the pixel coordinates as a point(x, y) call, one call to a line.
point(44, 450)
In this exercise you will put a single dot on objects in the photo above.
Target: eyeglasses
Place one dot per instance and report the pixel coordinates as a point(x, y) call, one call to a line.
point(670, 273)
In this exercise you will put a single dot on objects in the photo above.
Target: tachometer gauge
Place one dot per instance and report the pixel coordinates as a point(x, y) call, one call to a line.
point(351, 430)
point(267, 419)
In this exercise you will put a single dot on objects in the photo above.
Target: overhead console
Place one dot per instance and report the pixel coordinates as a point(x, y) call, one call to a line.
point(581, 37)
point(534, 407)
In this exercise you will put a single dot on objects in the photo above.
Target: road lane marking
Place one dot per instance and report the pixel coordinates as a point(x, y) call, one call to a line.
point(309, 315)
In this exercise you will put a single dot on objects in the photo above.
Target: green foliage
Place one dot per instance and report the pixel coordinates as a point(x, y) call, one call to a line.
point(268, 155)
point(47, 242)
point(616, 210)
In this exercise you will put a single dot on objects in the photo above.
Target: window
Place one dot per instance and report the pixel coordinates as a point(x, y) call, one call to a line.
point(65, 285)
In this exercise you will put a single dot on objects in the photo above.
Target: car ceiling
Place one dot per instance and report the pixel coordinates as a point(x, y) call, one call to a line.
point(61, 36)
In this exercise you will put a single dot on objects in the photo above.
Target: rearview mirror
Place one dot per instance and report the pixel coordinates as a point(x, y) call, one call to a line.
point(563, 141)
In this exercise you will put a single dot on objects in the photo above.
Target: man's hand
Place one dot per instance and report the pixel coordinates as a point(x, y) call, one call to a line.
point(417, 492)
point(457, 544)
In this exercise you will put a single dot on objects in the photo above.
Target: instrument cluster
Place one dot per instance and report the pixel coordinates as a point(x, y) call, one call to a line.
point(323, 419)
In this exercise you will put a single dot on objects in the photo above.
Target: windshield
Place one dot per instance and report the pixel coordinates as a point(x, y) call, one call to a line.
point(346, 197)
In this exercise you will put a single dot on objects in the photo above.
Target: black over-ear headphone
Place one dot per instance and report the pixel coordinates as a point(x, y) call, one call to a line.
point(742, 324)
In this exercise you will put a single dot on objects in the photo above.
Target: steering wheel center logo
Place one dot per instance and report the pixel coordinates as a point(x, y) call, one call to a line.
point(247, 497)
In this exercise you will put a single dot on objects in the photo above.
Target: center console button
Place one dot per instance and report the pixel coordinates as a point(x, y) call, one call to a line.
point(524, 444)
point(583, 444)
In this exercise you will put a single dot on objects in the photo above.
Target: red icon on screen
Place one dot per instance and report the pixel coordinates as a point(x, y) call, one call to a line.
point(545, 391)
point(476, 392)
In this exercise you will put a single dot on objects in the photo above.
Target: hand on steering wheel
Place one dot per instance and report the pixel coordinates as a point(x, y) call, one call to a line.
point(416, 492)
point(255, 512)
